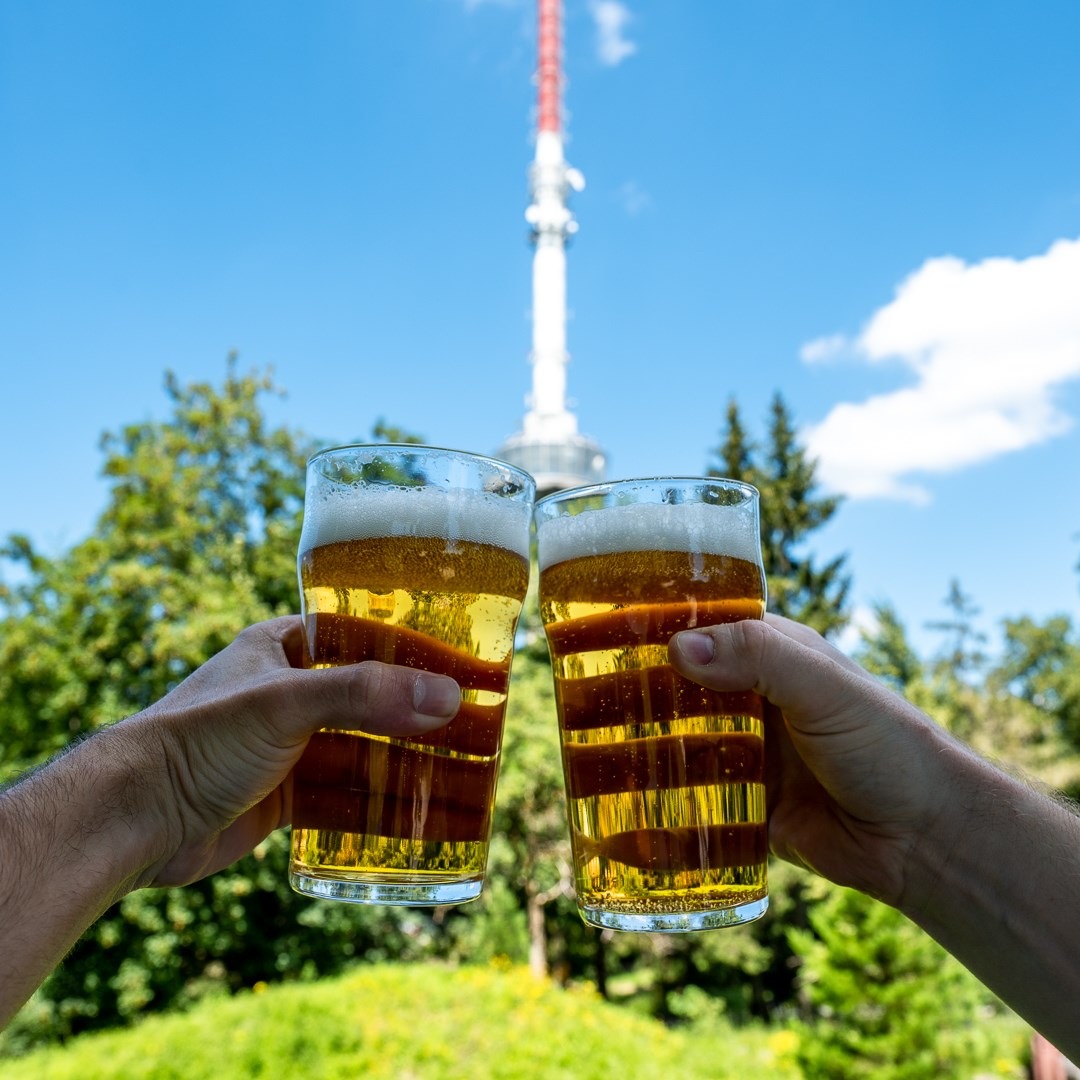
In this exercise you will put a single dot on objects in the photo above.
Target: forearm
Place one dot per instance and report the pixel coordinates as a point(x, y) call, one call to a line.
point(998, 885)
point(72, 845)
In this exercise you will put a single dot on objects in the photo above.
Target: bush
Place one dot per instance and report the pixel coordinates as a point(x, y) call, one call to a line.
point(888, 1002)
point(430, 1021)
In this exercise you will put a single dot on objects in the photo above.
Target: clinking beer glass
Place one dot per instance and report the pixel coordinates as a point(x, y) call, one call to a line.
point(664, 778)
point(418, 556)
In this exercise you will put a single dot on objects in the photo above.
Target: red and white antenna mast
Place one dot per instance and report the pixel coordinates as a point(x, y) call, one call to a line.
point(549, 445)
point(549, 66)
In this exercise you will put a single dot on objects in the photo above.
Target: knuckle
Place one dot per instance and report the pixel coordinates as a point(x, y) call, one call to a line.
point(252, 638)
point(748, 641)
point(372, 688)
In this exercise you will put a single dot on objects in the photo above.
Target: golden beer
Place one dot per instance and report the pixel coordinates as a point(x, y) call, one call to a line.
point(664, 778)
point(395, 568)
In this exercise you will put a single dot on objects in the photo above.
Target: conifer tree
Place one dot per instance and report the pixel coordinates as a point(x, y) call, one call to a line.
point(887, 653)
point(791, 510)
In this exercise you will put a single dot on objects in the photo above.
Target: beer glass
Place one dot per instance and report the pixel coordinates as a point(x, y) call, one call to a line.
point(664, 778)
point(418, 556)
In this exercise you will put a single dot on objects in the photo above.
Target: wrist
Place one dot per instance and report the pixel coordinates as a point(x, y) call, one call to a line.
point(996, 884)
point(996, 846)
point(941, 850)
point(83, 823)
point(129, 776)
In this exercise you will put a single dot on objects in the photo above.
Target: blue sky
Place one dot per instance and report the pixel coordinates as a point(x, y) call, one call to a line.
point(873, 208)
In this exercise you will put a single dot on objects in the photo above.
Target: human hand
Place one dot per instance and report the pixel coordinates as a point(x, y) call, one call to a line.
point(853, 771)
point(221, 746)
point(182, 789)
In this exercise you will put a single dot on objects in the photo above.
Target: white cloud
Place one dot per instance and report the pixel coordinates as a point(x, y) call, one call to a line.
point(611, 18)
point(824, 348)
point(988, 345)
point(634, 198)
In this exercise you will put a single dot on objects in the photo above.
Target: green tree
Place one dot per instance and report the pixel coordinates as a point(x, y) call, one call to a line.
point(887, 653)
point(197, 539)
point(887, 1002)
point(751, 971)
point(1039, 671)
point(1019, 708)
point(391, 433)
point(529, 859)
point(791, 510)
point(530, 813)
point(963, 656)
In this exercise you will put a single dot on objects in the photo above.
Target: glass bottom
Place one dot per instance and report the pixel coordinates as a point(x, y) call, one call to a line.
point(675, 922)
point(382, 891)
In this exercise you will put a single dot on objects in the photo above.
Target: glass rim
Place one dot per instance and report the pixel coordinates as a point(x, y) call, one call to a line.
point(464, 455)
point(608, 487)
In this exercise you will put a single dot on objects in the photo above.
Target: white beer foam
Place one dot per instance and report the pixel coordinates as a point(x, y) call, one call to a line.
point(339, 514)
point(700, 527)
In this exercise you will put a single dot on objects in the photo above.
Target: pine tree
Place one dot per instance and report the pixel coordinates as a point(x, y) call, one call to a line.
point(791, 509)
point(887, 653)
point(963, 657)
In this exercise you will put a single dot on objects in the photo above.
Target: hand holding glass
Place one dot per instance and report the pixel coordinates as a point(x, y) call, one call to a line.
point(418, 556)
point(664, 778)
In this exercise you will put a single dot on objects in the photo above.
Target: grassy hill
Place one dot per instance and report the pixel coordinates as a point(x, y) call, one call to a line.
point(420, 1022)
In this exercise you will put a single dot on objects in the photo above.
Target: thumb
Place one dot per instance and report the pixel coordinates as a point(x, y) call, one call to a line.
point(381, 699)
point(787, 663)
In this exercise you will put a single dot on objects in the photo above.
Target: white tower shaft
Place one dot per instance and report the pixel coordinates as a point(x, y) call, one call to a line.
point(549, 445)
point(550, 183)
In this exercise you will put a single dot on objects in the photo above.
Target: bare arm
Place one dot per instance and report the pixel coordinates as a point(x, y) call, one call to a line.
point(180, 790)
point(866, 790)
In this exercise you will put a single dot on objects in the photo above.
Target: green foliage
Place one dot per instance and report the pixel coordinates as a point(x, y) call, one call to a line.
point(391, 433)
point(887, 653)
point(167, 948)
point(197, 540)
point(790, 511)
point(752, 971)
point(439, 1023)
point(532, 852)
point(1022, 709)
point(491, 929)
point(744, 972)
point(1041, 667)
point(962, 655)
point(887, 1002)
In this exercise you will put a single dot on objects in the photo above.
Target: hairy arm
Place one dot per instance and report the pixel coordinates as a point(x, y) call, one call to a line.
point(869, 792)
point(996, 880)
point(181, 790)
point(71, 848)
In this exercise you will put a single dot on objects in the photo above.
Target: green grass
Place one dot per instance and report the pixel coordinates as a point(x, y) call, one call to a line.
point(420, 1022)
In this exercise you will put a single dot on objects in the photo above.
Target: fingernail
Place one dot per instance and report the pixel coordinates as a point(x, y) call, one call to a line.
point(695, 647)
point(436, 695)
